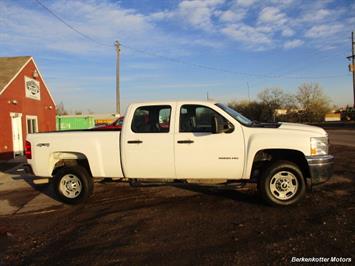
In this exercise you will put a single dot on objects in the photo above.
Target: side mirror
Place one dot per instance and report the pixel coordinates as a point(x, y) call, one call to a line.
point(219, 126)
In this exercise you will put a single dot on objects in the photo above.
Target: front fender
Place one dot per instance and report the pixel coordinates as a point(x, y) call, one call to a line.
point(270, 141)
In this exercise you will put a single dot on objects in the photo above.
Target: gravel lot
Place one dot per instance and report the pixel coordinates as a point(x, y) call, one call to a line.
point(177, 225)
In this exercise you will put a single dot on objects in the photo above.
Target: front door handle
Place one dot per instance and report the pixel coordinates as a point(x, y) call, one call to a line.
point(134, 141)
point(185, 141)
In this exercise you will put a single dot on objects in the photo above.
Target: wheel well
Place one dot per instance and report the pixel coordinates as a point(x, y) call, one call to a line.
point(71, 162)
point(266, 157)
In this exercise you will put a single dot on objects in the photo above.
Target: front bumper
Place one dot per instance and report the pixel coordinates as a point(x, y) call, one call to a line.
point(320, 168)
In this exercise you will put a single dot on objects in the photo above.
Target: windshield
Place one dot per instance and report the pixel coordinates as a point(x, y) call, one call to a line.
point(237, 116)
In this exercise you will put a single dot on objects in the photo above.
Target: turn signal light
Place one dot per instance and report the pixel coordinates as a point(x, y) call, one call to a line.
point(28, 150)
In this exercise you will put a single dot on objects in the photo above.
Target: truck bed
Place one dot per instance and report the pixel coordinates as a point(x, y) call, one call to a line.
point(101, 149)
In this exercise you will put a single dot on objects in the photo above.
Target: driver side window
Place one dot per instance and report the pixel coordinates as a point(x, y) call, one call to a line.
point(197, 118)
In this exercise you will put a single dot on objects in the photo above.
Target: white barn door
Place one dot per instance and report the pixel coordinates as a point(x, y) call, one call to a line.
point(17, 141)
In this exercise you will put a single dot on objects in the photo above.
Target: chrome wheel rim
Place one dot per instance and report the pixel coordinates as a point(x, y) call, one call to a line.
point(70, 186)
point(283, 185)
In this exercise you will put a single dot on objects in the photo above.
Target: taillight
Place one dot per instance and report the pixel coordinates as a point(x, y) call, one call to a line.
point(28, 150)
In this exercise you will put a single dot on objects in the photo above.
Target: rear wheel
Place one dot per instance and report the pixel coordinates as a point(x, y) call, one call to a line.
point(73, 184)
point(282, 184)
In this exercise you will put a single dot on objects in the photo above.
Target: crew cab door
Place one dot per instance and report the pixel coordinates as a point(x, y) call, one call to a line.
point(201, 154)
point(147, 142)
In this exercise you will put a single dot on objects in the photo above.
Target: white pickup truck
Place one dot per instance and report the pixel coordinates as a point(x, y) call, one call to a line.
point(195, 140)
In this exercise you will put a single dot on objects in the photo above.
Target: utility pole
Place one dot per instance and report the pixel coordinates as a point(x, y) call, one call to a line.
point(118, 102)
point(352, 66)
point(353, 63)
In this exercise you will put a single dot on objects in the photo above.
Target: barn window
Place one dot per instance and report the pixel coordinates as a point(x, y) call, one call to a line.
point(32, 124)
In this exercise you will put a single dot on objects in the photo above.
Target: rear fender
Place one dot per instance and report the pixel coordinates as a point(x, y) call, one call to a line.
point(56, 157)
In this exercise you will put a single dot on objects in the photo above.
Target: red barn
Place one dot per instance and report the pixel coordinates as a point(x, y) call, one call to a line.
point(26, 105)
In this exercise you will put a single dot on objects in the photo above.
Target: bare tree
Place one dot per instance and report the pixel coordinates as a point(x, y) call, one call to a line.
point(257, 111)
point(309, 104)
point(276, 98)
point(60, 110)
point(312, 101)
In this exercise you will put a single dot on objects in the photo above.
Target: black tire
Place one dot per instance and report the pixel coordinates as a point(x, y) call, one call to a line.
point(73, 184)
point(282, 184)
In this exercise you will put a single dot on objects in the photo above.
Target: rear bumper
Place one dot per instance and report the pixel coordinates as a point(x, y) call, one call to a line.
point(36, 180)
point(320, 168)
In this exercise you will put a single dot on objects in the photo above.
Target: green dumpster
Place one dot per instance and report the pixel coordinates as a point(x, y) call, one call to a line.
point(74, 122)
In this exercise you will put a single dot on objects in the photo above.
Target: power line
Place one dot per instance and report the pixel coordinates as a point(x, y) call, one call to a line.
point(179, 61)
point(69, 26)
point(306, 65)
point(212, 68)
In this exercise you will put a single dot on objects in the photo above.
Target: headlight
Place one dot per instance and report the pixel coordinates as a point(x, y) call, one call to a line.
point(319, 146)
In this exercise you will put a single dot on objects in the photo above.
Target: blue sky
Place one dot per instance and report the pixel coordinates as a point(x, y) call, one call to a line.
point(182, 49)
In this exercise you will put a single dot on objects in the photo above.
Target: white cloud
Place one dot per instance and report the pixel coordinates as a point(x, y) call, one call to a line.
point(248, 22)
point(104, 22)
point(287, 32)
point(249, 35)
point(272, 15)
point(316, 15)
point(104, 19)
point(293, 44)
point(211, 43)
point(283, 3)
point(196, 13)
point(199, 13)
point(162, 15)
point(324, 30)
point(245, 3)
point(232, 16)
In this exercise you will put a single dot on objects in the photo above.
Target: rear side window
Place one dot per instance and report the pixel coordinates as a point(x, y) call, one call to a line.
point(151, 119)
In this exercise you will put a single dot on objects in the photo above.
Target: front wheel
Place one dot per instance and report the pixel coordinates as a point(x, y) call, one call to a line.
point(73, 184)
point(282, 184)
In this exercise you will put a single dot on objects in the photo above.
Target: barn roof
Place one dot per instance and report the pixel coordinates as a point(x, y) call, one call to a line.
point(9, 67)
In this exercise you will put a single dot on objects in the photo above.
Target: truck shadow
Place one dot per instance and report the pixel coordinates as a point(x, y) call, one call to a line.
point(242, 193)
point(45, 189)
point(239, 194)
point(248, 195)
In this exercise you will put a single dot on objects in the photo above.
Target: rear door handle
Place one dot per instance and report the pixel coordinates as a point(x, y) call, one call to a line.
point(134, 141)
point(185, 141)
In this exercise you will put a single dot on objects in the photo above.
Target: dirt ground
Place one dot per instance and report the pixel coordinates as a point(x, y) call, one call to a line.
point(185, 225)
